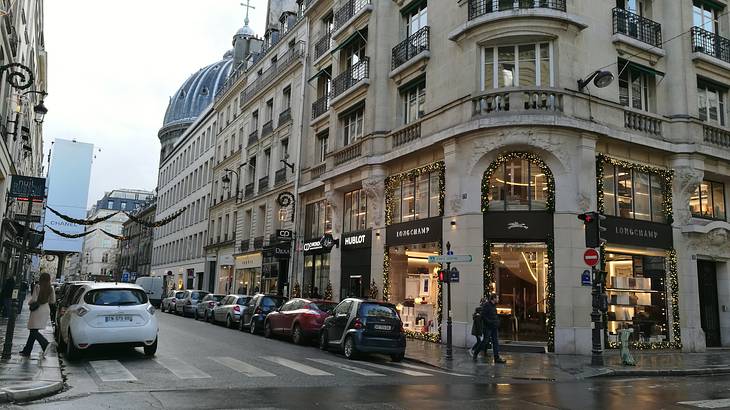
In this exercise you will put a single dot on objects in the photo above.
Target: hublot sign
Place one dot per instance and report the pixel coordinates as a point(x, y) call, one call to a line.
point(418, 231)
point(623, 231)
point(356, 240)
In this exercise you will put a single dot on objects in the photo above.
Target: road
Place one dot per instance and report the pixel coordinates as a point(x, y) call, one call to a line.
point(204, 366)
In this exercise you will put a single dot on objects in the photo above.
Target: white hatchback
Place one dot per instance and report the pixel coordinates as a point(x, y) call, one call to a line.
point(108, 314)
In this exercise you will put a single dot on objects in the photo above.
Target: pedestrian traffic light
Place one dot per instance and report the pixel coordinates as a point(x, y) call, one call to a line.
point(593, 229)
point(443, 276)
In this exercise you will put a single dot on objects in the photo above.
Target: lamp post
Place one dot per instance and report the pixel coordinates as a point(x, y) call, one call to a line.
point(227, 182)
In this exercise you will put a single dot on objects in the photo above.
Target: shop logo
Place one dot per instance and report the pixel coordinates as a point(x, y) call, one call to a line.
point(637, 233)
point(410, 232)
point(517, 225)
point(355, 240)
point(311, 246)
point(327, 241)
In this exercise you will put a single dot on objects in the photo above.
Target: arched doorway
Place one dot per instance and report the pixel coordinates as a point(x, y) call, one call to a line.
point(518, 202)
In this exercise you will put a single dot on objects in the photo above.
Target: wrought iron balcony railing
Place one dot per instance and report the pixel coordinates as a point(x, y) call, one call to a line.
point(320, 106)
point(248, 190)
point(280, 176)
point(350, 77)
point(707, 42)
point(348, 11)
point(478, 8)
point(322, 45)
point(253, 137)
point(264, 183)
point(415, 44)
point(636, 26)
point(267, 129)
point(285, 116)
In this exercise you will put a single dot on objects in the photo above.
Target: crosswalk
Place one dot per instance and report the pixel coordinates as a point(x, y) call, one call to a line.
point(115, 371)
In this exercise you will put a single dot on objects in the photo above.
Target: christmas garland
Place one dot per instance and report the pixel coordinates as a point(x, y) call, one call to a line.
point(159, 223)
point(509, 156)
point(70, 235)
point(86, 222)
point(120, 237)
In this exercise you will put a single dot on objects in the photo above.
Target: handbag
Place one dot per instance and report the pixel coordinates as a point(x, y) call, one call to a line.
point(34, 306)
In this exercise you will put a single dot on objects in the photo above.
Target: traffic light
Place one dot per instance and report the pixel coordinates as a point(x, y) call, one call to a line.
point(443, 276)
point(594, 230)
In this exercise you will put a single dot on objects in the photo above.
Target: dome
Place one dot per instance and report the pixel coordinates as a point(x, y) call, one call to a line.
point(245, 31)
point(197, 93)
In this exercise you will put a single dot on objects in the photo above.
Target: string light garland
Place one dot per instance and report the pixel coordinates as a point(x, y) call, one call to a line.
point(550, 290)
point(297, 290)
point(528, 156)
point(328, 291)
point(373, 292)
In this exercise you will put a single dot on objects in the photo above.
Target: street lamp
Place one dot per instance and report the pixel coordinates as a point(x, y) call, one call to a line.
point(226, 180)
point(286, 163)
point(19, 77)
point(600, 78)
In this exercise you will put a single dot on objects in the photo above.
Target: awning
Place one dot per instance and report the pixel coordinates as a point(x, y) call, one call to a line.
point(642, 68)
point(319, 73)
point(358, 34)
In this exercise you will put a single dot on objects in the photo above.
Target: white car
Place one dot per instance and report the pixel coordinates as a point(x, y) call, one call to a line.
point(108, 313)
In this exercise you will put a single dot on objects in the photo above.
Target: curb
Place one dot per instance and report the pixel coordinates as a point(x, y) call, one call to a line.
point(29, 391)
point(666, 372)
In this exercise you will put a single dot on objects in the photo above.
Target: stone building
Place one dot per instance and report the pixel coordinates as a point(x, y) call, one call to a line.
point(135, 254)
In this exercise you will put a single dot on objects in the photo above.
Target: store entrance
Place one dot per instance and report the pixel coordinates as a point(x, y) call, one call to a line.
point(521, 282)
point(355, 288)
point(709, 312)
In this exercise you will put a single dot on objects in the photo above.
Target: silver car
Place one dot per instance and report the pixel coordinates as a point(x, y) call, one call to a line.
point(188, 305)
point(206, 306)
point(229, 310)
point(169, 302)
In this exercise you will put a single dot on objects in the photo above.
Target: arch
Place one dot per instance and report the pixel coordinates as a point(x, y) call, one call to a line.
point(528, 156)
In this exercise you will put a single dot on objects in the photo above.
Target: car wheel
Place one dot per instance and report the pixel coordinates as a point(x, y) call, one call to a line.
point(72, 352)
point(397, 357)
point(252, 327)
point(350, 351)
point(229, 322)
point(267, 330)
point(296, 335)
point(323, 341)
point(151, 349)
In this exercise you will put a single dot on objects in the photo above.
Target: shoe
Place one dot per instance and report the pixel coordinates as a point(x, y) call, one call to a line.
point(499, 360)
point(24, 354)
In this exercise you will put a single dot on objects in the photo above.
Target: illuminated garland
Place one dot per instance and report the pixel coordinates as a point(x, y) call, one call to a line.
point(488, 271)
point(386, 275)
point(509, 156)
point(674, 284)
point(429, 337)
point(85, 222)
point(550, 242)
point(328, 291)
point(297, 291)
point(70, 235)
point(373, 292)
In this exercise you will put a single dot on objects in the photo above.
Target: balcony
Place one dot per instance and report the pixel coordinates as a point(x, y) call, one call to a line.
point(320, 106)
point(403, 136)
point(710, 44)
point(248, 190)
point(267, 77)
point(322, 46)
point(245, 244)
point(267, 129)
point(642, 122)
point(347, 12)
point(258, 242)
point(285, 116)
point(716, 136)
point(280, 176)
point(348, 153)
point(253, 137)
point(478, 8)
point(414, 45)
point(317, 171)
point(637, 27)
point(264, 184)
point(350, 77)
point(518, 99)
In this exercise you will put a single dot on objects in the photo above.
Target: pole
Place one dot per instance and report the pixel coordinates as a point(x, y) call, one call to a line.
point(449, 350)
point(596, 322)
point(8, 347)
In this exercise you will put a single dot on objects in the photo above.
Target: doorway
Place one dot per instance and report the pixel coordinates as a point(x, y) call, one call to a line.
point(355, 288)
point(709, 310)
point(520, 274)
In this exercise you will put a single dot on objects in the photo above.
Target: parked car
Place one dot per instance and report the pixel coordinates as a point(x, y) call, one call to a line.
point(229, 309)
point(155, 288)
point(300, 319)
point(206, 305)
point(108, 314)
point(364, 326)
point(188, 305)
point(63, 300)
point(252, 317)
point(168, 303)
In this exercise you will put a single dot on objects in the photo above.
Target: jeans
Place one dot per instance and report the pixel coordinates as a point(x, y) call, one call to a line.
point(7, 307)
point(491, 333)
point(34, 335)
point(478, 344)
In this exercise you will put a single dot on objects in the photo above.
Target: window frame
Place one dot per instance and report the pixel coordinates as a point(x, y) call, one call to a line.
point(350, 223)
point(712, 184)
point(652, 206)
point(647, 84)
point(354, 119)
point(434, 209)
point(708, 87)
point(516, 80)
point(416, 89)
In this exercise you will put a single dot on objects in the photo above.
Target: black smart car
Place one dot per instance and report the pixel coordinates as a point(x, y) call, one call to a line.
point(364, 326)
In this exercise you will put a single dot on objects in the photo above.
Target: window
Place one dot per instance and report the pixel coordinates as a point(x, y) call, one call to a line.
point(414, 99)
point(417, 198)
point(636, 86)
point(254, 121)
point(287, 99)
point(267, 162)
point(628, 193)
point(269, 110)
point(356, 211)
point(284, 150)
point(317, 219)
point(416, 18)
point(519, 185)
point(110, 204)
point(708, 201)
point(634, 6)
point(322, 146)
point(519, 65)
point(352, 126)
point(252, 170)
point(704, 15)
point(711, 103)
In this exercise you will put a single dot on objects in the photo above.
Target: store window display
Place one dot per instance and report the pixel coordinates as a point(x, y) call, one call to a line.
point(414, 286)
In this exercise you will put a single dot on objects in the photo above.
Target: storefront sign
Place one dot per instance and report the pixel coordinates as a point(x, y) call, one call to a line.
point(27, 187)
point(623, 231)
point(517, 226)
point(356, 240)
point(225, 260)
point(284, 235)
point(282, 251)
point(418, 231)
point(250, 261)
point(321, 245)
point(312, 246)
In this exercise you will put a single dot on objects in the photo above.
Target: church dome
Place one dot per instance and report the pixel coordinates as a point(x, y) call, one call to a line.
point(245, 31)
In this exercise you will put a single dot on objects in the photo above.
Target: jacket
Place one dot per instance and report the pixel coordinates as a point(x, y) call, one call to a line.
point(477, 327)
point(39, 318)
point(8, 287)
point(489, 314)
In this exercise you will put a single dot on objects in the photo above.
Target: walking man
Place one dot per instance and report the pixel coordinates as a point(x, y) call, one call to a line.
point(477, 330)
point(491, 325)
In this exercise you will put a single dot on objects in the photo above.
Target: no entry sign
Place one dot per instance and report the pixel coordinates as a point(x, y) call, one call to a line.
point(590, 257)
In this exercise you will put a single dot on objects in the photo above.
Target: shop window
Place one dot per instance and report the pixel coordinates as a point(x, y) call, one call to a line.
point(356, 211)
point(708, 201)
point(628, 193)
point(636, 289)
point(316, 275)
point(522, 65)
point(417, 198)
point(518, 185)
point(711, 103)
point(414, 286)
point(317, 219)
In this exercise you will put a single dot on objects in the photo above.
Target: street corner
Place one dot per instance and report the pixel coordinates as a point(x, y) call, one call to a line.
point(30, 390)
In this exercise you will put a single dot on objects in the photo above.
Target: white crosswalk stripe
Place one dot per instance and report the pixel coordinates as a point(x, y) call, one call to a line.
point(302, 368)
point(181, 369)
point(346, 367)
point(241, 367)
point(396, 369)
point(111, 371)
point(412, 366)
point(708, 404)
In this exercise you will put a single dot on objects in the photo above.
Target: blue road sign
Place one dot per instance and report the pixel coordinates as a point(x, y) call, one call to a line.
point(585, 278)
point(454, 277)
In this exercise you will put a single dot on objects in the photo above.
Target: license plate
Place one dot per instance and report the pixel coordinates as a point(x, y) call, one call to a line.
point(381, 327)
point(118, 318)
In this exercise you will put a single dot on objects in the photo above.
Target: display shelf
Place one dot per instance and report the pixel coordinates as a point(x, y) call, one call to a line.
point(631, 290)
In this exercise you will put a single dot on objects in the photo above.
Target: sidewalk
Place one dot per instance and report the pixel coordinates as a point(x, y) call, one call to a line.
point(28, 378)
point(551, 367)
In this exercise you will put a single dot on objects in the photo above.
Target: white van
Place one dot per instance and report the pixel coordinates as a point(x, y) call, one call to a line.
point(154, 286)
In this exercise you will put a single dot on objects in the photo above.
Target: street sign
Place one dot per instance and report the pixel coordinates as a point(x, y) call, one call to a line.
point(449, 258)
point(125, 276)
point(454, 277)
point(585, 278)
point(590, 257)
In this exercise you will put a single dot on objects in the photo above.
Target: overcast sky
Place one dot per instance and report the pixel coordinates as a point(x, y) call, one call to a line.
point(112, 67)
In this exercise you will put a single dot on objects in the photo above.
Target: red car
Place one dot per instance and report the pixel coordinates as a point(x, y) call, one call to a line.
point(301, 319)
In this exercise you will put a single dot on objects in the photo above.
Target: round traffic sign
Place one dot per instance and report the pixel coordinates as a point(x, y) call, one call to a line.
point(590, 257)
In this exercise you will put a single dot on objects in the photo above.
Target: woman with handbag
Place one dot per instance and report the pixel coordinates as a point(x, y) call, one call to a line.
point(40, 314)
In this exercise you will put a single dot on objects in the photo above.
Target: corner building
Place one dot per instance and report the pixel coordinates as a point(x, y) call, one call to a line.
point(429, 122)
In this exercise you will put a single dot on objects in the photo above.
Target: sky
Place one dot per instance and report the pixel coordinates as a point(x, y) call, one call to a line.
point(113, 66)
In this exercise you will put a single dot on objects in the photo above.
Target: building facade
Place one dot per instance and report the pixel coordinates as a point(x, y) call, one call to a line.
point(135, 253)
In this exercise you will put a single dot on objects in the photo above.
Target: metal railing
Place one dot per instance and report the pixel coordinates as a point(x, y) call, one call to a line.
point(478, 8)
point(409, 133)
point(518, 99)
point(285, 116)
point(636, 26)
point(248, 190)
point(415, 44)
point(716, 136)
point(258, 242)
point(322, 45)
point(280, 176)
point(644, 123)
point(266, 78)
point(709, 43)
point(320, 106)
point(263, 183)
point(253, 137)
point(317, 171)
point(267, 129)
point(348, 153)
point(245, 244)
point(350, 77)
point(348, 11)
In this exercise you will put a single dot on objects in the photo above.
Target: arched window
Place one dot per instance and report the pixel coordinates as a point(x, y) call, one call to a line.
point(518, 184)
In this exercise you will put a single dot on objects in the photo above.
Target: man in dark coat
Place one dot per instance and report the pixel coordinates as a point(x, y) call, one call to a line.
point(6, 295)
point(491, 325)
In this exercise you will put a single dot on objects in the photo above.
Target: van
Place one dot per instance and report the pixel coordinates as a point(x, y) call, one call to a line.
point(154, 286)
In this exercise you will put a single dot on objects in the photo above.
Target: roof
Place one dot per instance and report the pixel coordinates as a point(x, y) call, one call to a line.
point(111, 285)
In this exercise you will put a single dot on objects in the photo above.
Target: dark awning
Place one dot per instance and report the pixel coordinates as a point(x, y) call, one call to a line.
point(319, 73)
point(644, 69)
point(354, 36)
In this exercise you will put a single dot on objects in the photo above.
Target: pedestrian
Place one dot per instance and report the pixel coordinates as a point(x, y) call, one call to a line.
point(7, 296)
point(22, 291)
point(40, 314)
point(491, 325)
point(477, 329)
